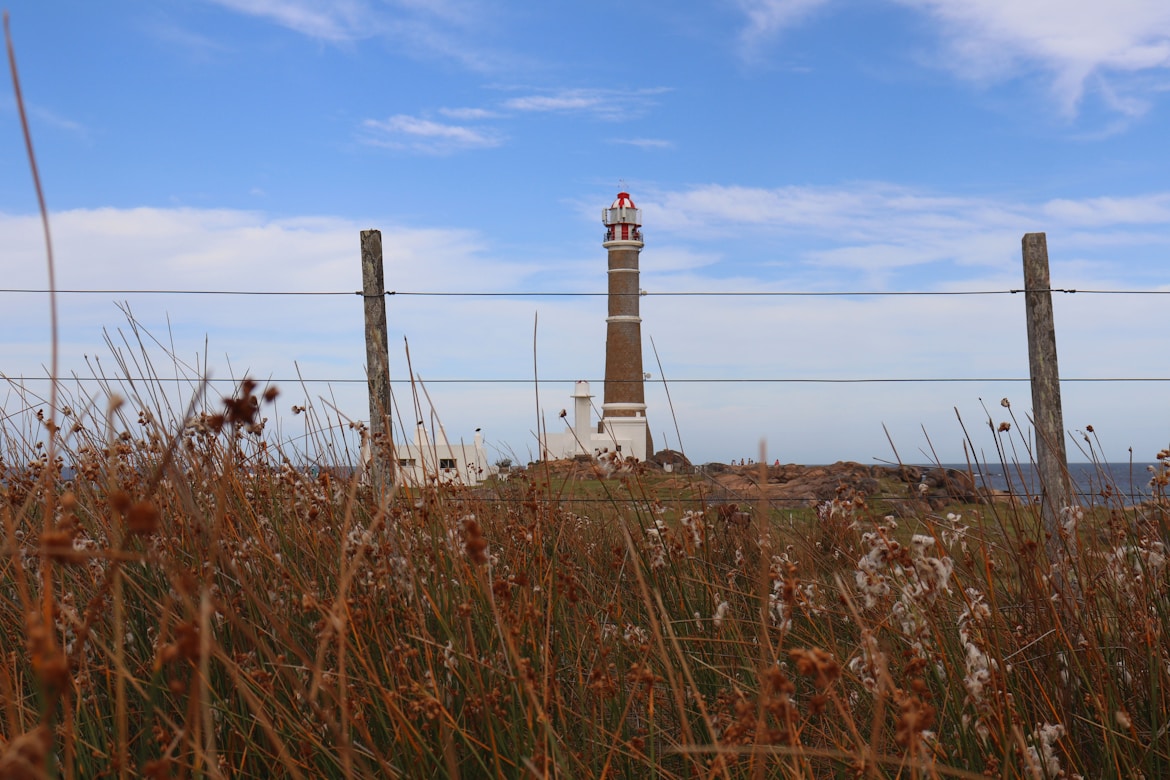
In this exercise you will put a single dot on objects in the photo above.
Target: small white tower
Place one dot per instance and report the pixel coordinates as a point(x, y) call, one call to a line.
point(582, 414)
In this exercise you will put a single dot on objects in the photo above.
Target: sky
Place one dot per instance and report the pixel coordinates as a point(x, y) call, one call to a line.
point(774, 146)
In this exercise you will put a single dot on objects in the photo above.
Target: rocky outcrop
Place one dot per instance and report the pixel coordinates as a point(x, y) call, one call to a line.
point(676, 460)
point(793, 483)
point(821, 483)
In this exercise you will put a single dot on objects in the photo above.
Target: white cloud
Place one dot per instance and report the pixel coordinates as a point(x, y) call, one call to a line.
point(644, 143)
point(1107, 211)
point(609, 104)
point(424, 135)
point(570, 101)
point(342, 20)
point(880, 227)
point(153, 248)
point(459, 12)
point(466, 114)
point(767, 17)
point(1079, 43)
point(859, 210)
point(701, 239)
point(420, 134)
point(449, 29)
point(321, 337)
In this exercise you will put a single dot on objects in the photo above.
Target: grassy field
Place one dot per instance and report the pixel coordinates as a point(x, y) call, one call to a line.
point(193, 604)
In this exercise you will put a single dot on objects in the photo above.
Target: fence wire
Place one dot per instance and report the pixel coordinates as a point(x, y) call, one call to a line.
point(590, 294)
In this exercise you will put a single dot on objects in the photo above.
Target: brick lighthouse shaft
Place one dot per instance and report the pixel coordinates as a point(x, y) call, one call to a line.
point(623, 338)
point(625, 394)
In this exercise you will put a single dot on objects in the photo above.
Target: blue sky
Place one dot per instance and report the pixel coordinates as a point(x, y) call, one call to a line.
point(773, 145)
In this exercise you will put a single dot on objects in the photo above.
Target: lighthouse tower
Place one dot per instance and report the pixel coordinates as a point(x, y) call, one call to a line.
point(624, 407)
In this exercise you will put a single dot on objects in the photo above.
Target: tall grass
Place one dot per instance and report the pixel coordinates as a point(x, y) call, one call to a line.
point(181, 596)
point(217, 609)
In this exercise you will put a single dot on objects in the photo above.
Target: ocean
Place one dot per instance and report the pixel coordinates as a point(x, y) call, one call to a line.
point(1130, 482)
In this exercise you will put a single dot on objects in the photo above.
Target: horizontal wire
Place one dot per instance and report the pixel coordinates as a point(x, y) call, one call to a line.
point(554, 294)
point(179, 292)
point(707, 293)
point(529, 380)
point(1018, 491)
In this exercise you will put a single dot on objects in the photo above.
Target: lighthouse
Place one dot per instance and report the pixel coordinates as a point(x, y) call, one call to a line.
point(622, 429)
point(624, 406)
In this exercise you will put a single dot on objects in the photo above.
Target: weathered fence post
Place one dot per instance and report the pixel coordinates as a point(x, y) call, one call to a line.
point(1047, 418)
point(382, 463)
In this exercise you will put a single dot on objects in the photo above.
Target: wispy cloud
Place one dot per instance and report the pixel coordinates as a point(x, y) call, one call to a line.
point(1115, 211)
point(173, 36)
point(52, 119)
point(466, 114)
point(880, 227)
point(421, 134)
point(1080, 47)
point(424, 135)
point(452, 30)
point(609, 104)
point(1074, 41)
point(767, 17)
point(644, 143)
point(341, 20)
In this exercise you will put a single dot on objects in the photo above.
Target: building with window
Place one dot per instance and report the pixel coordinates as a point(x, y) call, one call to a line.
point(431, 458)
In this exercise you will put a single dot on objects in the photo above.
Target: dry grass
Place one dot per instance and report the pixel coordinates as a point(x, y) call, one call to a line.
point(192, 603)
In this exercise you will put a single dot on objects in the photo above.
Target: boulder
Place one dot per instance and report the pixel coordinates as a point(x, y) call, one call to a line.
point(678, 462)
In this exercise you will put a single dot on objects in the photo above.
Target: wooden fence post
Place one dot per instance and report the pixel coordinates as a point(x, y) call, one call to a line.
point(377, 360)
point(1047, 417)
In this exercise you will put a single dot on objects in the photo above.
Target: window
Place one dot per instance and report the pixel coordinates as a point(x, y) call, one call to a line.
point(406, 463)
point(446, 463)
point(619, 448)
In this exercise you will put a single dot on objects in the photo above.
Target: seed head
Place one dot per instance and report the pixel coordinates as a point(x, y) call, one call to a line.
point(142, 518)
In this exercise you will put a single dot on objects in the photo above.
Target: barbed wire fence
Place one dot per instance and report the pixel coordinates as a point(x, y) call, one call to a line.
point(514, 294)
point(389, 295)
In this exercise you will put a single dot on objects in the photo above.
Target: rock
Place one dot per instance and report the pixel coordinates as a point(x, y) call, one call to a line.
point(949, 486)
point(813, 484)
point(678, 462)
point(795, 483)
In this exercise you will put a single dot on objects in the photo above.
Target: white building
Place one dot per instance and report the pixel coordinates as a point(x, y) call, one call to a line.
point(426, 461)
point(624, 436)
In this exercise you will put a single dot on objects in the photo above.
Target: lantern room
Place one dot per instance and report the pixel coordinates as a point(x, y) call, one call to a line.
point(623, 220)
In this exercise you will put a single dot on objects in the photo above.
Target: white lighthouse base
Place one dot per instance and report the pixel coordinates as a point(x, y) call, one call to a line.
point(627, 434)
point(622, 436)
